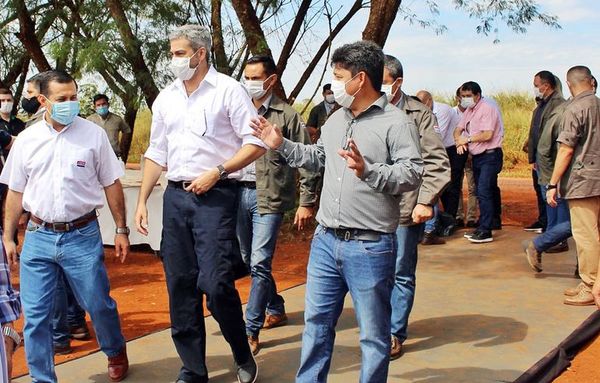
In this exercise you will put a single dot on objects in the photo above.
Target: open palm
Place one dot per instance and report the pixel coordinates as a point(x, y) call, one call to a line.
point(268, 133)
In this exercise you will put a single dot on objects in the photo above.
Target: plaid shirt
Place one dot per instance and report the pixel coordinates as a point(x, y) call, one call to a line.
point(10, 304)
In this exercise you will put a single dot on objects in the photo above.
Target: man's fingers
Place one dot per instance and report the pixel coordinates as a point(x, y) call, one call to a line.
point(353, 148)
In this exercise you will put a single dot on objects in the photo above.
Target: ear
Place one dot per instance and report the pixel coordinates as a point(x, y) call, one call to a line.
point(397, 84)
point(43, 101)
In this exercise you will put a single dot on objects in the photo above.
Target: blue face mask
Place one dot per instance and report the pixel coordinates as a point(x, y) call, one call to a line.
point(64, 112)
point(102, 110)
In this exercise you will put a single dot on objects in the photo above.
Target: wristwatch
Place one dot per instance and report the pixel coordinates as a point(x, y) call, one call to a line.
point(222, 173)
point(12, 334)
point(551, 186)
point(122, 230)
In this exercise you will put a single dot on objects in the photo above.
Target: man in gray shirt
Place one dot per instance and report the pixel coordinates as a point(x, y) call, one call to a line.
point(371, 154)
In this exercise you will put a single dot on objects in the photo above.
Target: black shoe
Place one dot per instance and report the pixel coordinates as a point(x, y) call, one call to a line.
point(559, 248)
point(472, 224)
point(460, 222)
point(80, 333)
point(469, 234)
point(535, 227)
point(432, 239)
point(62, 349)
point(481, 237)
point(247, 372)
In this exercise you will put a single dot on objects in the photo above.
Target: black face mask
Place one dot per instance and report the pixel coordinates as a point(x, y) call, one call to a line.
point(30, 105)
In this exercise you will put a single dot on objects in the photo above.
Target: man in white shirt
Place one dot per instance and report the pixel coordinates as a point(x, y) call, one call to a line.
point(57, 170)
point(200, 131)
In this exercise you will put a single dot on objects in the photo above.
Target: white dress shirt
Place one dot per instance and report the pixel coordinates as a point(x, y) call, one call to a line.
point(191, 135)
point(61, 174)
point(447, 121)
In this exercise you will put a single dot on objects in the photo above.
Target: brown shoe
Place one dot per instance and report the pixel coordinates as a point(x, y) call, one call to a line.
point(254, 344)
point(276, 320)
point(62, 349)
point(561, 247)
point(396, 349)
point(118, 366)
point(575, 290)
point(534, 257)
point(583, 298)
point(432, 239)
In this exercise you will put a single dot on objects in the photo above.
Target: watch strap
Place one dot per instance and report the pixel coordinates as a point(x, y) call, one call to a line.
point(551, 186)
point(12, 334)
point(123, 230)
point(222, 172)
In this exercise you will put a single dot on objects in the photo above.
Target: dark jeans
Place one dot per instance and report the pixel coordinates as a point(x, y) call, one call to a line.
point(451, 196)
point(559, 225)
point(67, 313)
point(198, 248)
point(486, 167)
point(541, 200)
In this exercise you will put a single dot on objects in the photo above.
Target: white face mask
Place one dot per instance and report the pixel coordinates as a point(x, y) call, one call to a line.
point(330, 98)
point(6, 107)
point(467, 102)
point(342, 97)
point(537, 93)
point(256, 88)
point(387, 89)
point(180, 66)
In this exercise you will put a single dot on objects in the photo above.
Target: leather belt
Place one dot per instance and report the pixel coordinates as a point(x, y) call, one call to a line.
point(357, 234)
point(489, 151)
point(247, 184)
point(63, 227)
point(185, 184)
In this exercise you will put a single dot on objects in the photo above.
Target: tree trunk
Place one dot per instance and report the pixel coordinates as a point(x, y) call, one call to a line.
point(381, 17)
point(131, 110)
point(14, 71)
point(292, 35)
point(133, 52)
point(221, 61)
point(28, 37)
point(358, 4)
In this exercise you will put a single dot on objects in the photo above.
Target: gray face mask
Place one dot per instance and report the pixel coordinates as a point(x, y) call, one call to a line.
point(467, 102)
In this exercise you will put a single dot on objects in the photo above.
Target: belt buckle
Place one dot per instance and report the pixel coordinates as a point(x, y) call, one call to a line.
point(347, 235)
point(185, 184)
point(56, 227)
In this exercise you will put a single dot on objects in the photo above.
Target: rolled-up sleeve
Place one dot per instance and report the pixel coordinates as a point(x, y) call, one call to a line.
point(571, 130)
point(157, 150)
point(241, 112)
point(404, 172)
point(108, 166)
point(13, 173)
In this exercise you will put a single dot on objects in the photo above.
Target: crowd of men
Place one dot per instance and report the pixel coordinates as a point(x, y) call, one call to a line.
point(386, 170)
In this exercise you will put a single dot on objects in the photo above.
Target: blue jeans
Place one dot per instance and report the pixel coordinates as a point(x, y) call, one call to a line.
point(67, 313)
point(431, 224)
point(403, 294)
point(335, 266)
point(80, 256)
point(257, 235)
point(559, 225)
point(486, 167)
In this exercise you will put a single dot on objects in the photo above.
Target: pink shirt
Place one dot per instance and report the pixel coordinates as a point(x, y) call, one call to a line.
point(482, 117)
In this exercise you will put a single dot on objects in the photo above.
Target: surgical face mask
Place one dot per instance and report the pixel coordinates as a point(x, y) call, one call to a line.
point(6, 107)
point(30, 105)
point(64, 112)
point(387, 89)
point(339, 92)
point(256, 88)
point(537, 94)
point(330, 98)
point(102, 110)
point(467, 102)
point(180, 66)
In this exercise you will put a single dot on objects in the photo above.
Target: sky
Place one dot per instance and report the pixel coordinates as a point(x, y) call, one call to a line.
point(442, 63)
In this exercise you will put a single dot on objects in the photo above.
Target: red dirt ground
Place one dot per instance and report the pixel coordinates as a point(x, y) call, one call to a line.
point(139, 288)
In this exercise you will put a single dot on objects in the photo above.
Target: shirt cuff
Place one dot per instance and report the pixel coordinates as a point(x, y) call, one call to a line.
point(156, 155)
point(251, 140)
point(567, 138)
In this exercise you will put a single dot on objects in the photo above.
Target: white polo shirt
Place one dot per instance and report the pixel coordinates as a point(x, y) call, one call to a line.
point(448, 120)
point(191, 135)
point(61, 174)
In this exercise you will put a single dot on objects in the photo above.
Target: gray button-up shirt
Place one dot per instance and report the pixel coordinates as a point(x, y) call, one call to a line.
point(389, 142)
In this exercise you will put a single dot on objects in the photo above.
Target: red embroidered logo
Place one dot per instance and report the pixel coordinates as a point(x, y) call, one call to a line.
point(81, 164)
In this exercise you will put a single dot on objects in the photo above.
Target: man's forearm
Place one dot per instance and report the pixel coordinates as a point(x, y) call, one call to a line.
point(152, 172)
point(244, 157)
point(116, 203)
point(457, 132)
point(12, 213)
point(563, 160)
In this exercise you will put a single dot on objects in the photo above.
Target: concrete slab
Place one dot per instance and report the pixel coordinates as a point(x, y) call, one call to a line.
point(480, 315)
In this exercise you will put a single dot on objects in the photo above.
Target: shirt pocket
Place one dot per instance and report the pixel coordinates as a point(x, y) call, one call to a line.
point(80, 165)
point(211, 121)
point(589, 166)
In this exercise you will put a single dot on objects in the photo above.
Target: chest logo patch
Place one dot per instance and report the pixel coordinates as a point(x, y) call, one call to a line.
point(81, 164)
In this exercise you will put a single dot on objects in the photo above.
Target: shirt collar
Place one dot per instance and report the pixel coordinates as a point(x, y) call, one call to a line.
point(210, 78)
point(380, 104)
point(584, 94)
point(262, 110)
point(51, 128)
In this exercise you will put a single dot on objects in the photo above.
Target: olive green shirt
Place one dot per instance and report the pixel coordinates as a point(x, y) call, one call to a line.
point(547, 147)
point(112, 125)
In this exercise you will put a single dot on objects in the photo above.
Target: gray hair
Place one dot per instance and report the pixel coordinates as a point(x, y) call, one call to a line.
point(198, 36)
point(394, 66)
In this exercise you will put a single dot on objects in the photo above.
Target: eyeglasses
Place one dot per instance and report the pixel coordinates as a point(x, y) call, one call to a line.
point(348, 135)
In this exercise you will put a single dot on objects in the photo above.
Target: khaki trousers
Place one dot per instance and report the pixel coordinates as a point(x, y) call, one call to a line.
point(585, 222)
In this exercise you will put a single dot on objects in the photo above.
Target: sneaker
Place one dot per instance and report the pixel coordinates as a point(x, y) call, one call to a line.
point(276, 320)
point(472, 224)
point(247, 372)
point(254, 344)
point(559, 248)
point(469, 234)
point(535, 227)
point(81, 332)
point(583, 298)
point(62, 349)
point(432, 239)
point(396, 349)
point(575, 290)
point(459, 222)
point(534, 257)
point(481, 237)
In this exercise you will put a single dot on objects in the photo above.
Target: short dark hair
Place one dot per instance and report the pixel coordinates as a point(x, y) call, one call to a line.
point(361, 56)
point(471, 86)
point(458, 91)
point(6, 91)
point(58, 76)
point(394, 66)
point(326, 87)
point(267, 62)
point(100, 96)
point(547, 77)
